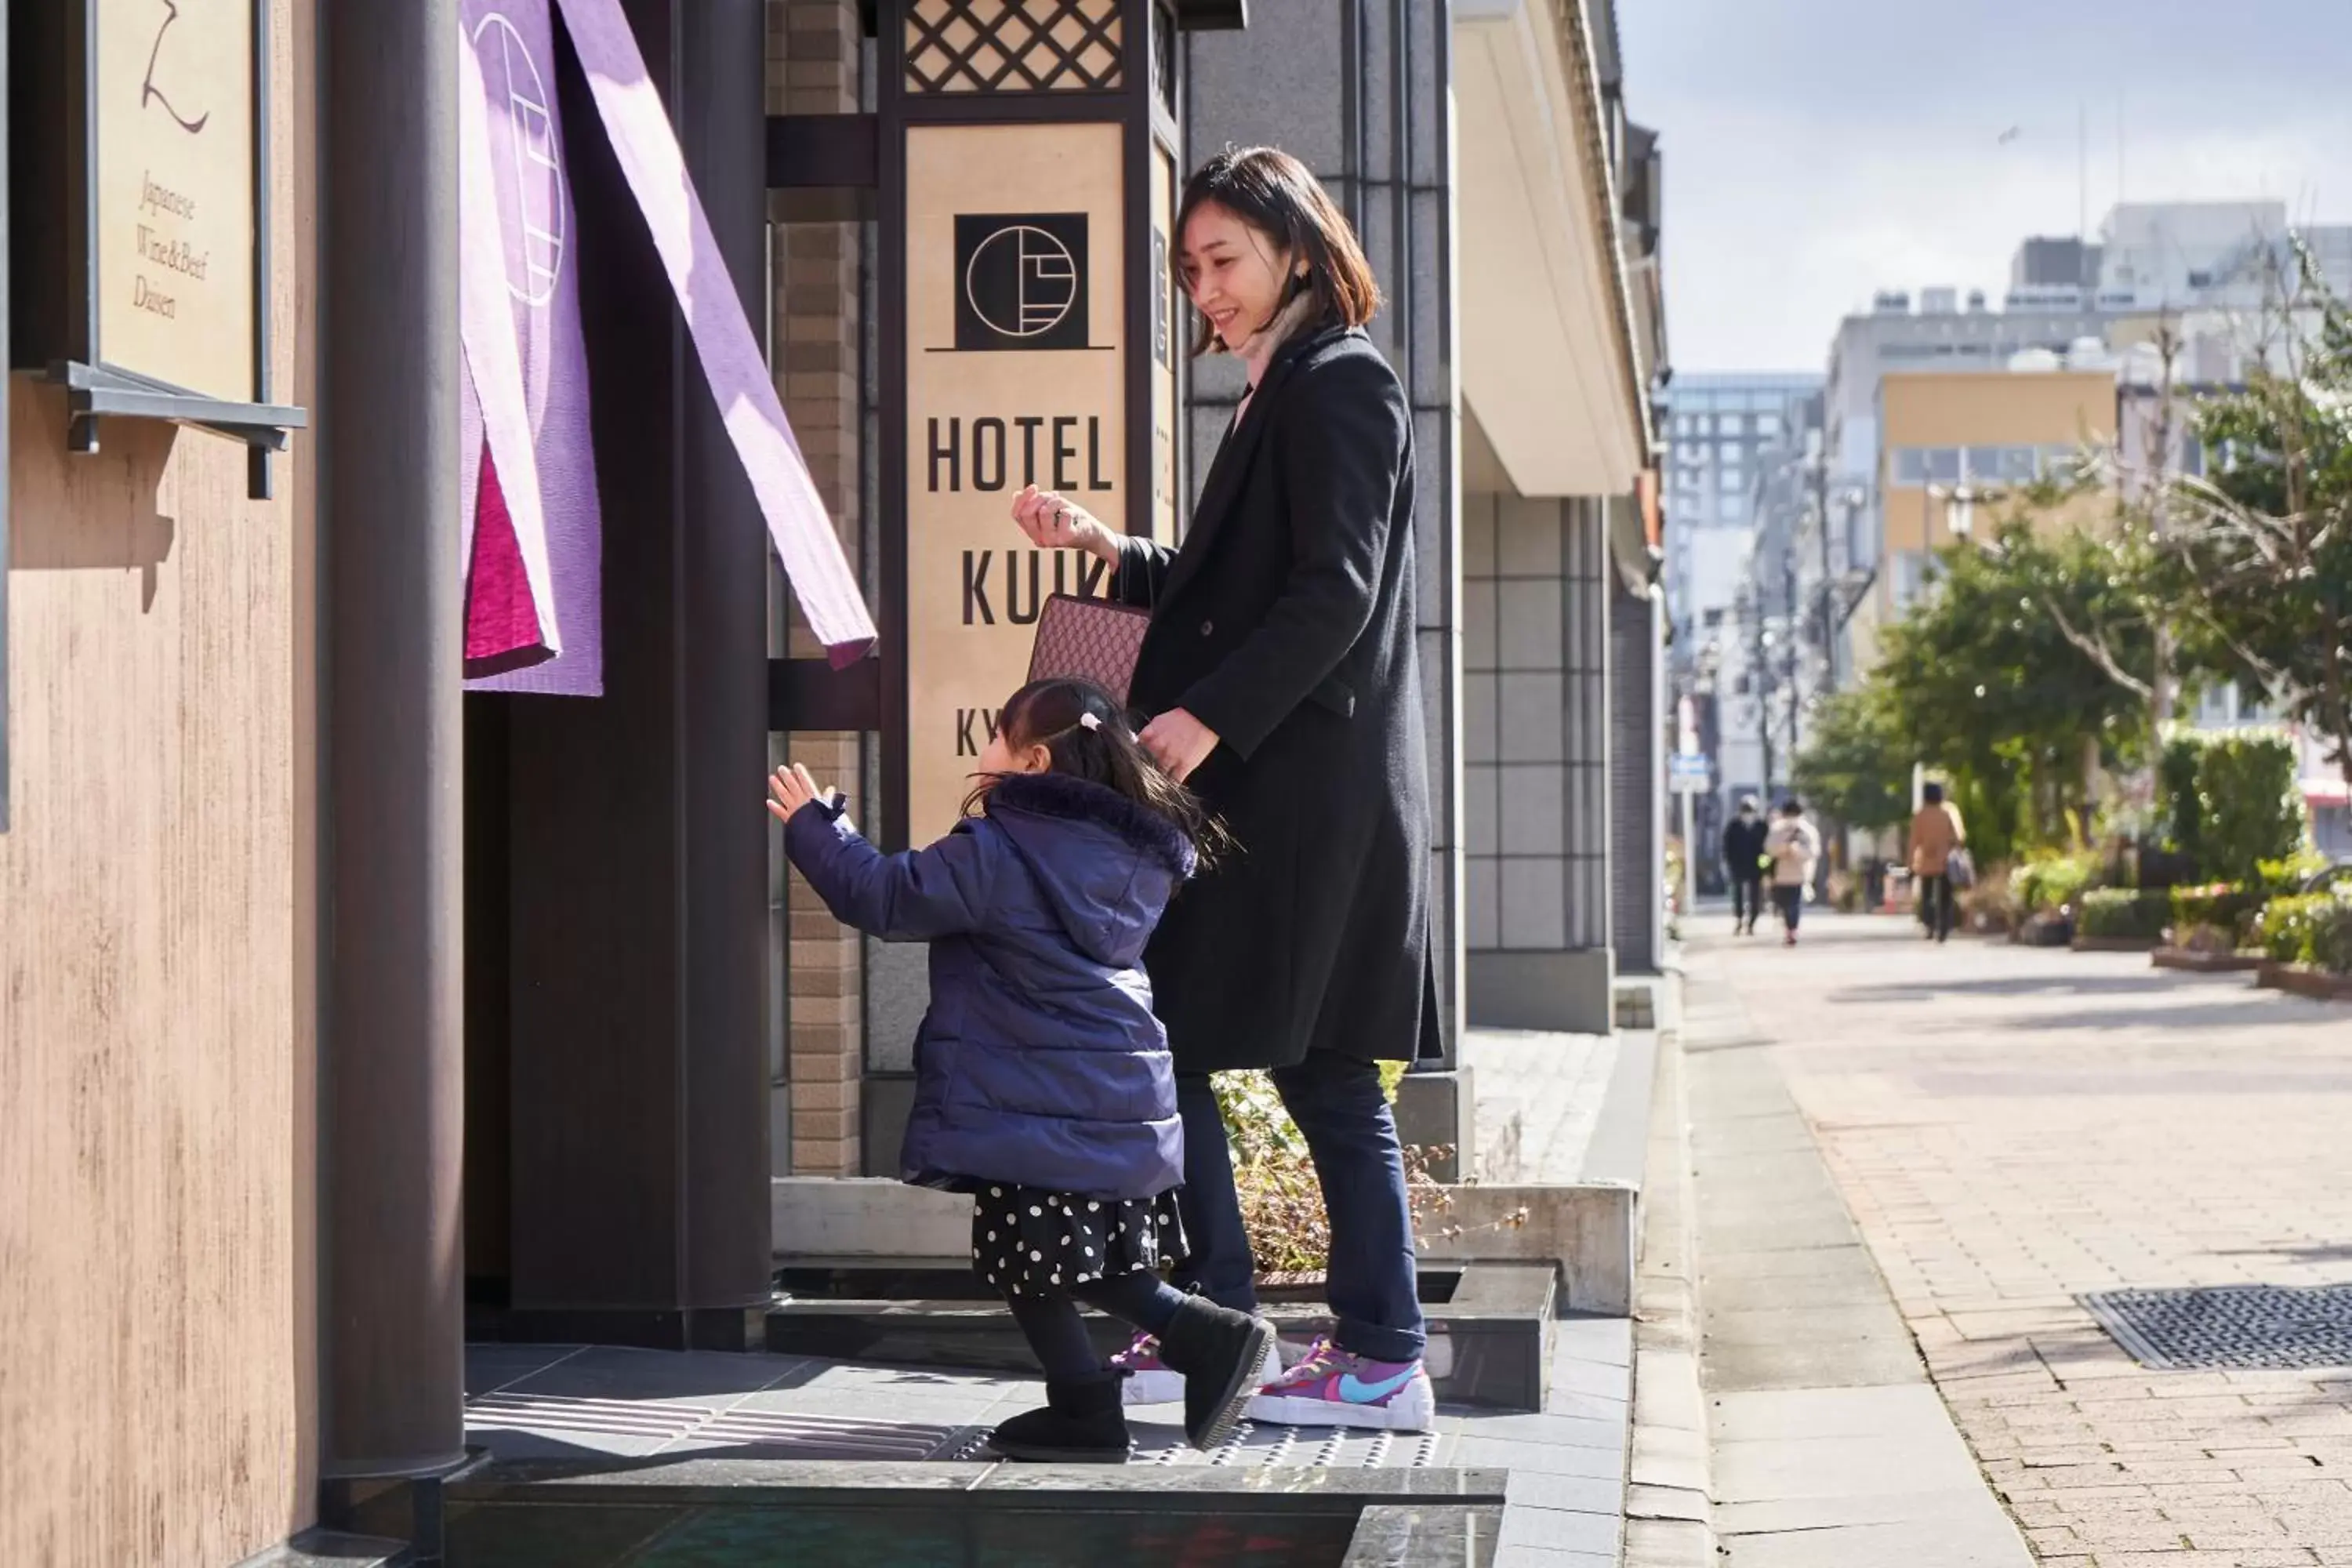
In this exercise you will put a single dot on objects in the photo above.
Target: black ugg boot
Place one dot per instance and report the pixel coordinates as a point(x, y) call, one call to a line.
point(1082, 1424)
point(1220, 1352)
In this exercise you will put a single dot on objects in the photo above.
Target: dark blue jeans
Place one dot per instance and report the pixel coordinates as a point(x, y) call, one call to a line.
point(1338, 1104)
point(1746, 899)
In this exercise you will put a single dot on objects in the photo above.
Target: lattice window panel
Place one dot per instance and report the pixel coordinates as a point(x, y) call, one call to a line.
point(1013, 46)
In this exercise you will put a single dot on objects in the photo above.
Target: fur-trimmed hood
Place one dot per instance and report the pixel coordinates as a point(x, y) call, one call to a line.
point(1106, 865)
point(1059, 795)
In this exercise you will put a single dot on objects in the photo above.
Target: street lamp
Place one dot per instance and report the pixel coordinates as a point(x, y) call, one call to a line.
point(1965, 498)
point(1847, 500)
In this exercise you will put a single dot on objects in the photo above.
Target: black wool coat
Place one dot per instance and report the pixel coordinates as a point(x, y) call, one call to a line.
point(1286, 624)
point(1743, 847)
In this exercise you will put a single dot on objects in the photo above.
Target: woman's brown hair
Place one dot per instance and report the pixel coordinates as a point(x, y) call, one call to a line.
point(1275, 194)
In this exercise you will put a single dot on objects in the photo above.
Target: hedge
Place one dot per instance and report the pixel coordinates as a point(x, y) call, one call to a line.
point(2229, 801)
point(2315, 929)
point(2226, 907)
point(2048, 885)
point(2127, 913)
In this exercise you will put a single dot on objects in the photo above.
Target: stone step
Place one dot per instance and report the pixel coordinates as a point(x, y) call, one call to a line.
point(1489, 1323)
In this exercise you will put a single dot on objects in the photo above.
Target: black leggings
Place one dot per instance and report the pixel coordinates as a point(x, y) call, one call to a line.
point(1056, 1331)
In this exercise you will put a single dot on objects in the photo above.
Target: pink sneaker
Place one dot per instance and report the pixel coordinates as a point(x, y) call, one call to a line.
point(1150, 1381)
point(1333, 1387)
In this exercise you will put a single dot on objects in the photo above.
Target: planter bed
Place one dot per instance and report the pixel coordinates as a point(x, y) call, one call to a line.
point(2043, 933)
point(2198, 962)
point(2297, 980)
point(2115, 945)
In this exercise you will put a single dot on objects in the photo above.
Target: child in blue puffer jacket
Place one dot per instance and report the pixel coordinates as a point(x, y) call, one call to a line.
point(1044, 1086)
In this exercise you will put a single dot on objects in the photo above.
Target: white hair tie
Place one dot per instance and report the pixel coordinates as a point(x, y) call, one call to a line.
point(1089, 721)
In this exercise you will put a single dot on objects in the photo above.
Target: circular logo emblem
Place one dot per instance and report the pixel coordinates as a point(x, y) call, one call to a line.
point(527, 161)
point(1022, 282)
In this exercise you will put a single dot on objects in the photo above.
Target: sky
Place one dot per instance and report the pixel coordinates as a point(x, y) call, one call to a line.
point(1817, 151)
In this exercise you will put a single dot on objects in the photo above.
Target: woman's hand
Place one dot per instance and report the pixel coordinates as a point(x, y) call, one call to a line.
point(1179, 742)
point(1054, 522)
point(791, 789)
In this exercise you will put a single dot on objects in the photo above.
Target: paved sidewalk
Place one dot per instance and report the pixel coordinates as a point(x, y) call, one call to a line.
point(2013, 1127)
point(1829, 1447)
point(1566, 1464)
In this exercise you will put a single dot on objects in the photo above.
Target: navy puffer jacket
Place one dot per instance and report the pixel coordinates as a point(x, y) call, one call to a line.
point(1040, 1061)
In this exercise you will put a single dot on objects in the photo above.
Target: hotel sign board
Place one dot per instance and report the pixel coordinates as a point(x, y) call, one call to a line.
point(1036, 340)
point(1015, 344)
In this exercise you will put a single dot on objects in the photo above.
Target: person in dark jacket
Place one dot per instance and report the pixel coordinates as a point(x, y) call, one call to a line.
point(1743, 862)
point(1044, 1085)
point(1281, 676)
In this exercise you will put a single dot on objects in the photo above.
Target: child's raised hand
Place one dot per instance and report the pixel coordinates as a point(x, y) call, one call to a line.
point(792, 788)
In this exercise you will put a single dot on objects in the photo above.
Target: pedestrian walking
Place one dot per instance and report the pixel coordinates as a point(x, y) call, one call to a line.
point(1794, 846)
point(1044, 1083)
point(1744, 862)
point(1281, 670)
point(1936, 841)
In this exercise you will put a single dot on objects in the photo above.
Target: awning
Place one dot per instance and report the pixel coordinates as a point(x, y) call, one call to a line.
point(1548, 358)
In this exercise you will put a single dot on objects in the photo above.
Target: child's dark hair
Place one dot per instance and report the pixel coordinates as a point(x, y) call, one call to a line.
point(1089, 738)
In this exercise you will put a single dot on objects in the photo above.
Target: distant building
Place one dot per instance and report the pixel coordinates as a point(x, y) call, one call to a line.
point(1959, 446)
point(1719, 429)
point(2209, 255)
point(2204, 273)
point(1735, 443)
point(2043, 262)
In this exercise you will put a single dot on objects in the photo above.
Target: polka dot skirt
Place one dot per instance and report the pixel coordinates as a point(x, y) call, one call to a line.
point(1026, 1241)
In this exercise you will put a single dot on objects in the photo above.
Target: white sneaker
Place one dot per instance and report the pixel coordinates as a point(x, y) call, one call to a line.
point(1150, 1382)
point(1333, 1387)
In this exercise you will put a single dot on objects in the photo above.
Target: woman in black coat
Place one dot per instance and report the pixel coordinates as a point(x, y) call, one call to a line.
point(1280, 679)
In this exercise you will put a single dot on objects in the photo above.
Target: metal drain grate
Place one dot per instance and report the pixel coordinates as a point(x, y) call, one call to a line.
point(1252, 1447)
point(820, 1437)
point(669, 1426)
point(556, 1415)
point(2268, 1326)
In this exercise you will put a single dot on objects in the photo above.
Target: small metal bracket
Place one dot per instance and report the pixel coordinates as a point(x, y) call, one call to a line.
point(95, 392)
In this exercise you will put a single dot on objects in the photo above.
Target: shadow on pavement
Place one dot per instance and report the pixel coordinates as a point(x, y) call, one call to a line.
point(2325, 1252)
point(1713, 1047)
point(2264, 1010)
point(2015, 986)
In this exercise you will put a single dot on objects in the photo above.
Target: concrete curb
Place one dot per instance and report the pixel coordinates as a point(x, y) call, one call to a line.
point(1669, 1497)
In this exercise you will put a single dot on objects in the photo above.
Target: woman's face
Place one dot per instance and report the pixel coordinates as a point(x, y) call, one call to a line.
point(1234, 274)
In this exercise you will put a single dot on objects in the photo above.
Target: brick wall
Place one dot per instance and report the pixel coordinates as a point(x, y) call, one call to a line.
point(813, 67)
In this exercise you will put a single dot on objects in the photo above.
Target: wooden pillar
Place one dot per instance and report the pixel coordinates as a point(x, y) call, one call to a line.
point(392, 1323)
point(638, 849)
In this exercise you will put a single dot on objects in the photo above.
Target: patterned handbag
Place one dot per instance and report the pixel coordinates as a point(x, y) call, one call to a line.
point(1089, 639)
